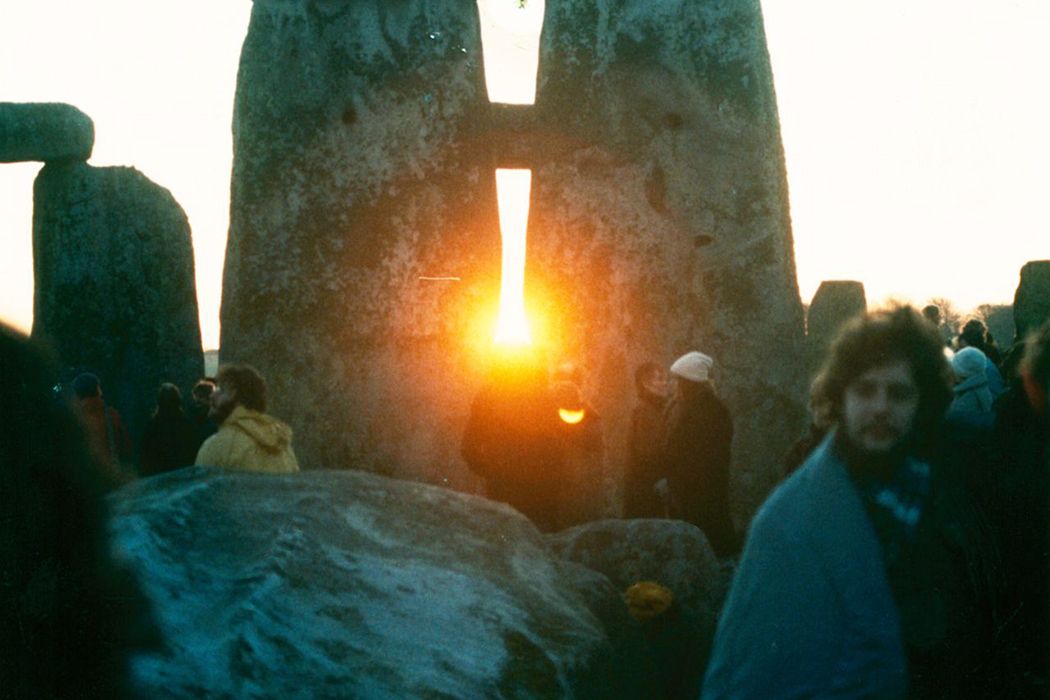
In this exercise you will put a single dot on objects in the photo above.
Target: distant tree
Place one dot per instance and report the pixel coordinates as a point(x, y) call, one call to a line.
point(951, 317)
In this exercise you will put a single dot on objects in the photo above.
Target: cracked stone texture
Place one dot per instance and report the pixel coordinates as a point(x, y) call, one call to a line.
point(44, 131)
point(364, 157)
point(114, 283)
point(347, 584)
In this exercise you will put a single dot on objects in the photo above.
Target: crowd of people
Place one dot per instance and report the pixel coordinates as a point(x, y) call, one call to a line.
point(905, 552)
point(224, 424)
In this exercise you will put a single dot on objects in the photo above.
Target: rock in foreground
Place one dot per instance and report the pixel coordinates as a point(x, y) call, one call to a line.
point(345, 584)
point(676, 555)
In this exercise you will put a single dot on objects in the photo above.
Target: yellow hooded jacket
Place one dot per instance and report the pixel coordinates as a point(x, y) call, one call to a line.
point(250, 441)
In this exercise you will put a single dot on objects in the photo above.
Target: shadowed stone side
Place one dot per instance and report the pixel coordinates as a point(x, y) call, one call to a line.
point(115, 292)
point(660, 213)
point(44, 132)
point(835, 302)
point(1032, 298)
point(358, 169)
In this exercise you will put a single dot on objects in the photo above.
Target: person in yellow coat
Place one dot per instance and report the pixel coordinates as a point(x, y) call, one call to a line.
point(248, 439)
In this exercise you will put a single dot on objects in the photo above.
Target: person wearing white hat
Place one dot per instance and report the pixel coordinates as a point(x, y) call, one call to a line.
point(697, 453)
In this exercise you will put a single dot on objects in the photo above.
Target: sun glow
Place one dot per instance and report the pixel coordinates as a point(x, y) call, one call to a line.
point(512, 196)
point(571, 417)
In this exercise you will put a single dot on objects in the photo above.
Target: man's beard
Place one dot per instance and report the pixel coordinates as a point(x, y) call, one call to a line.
point(867, 463)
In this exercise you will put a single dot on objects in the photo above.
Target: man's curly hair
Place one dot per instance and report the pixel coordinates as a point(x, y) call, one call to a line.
point(880, 338)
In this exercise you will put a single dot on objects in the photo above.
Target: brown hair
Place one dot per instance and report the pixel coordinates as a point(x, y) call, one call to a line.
point(247, 382)
point(877, 339)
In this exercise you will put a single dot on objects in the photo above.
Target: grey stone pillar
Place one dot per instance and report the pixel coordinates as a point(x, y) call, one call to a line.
point(115, 290)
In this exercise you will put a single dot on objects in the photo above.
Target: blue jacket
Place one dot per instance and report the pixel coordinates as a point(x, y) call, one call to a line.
point(810, 612)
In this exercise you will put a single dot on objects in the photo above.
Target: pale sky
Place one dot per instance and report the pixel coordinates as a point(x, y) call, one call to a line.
point(918, 160)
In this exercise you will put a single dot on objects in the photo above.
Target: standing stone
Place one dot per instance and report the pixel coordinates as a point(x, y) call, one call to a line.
point(44, 132)
point(835, 303)
point(660, 218)
point(364, 156)
point(115, 290)
point(1032, 298)
point(359, 170)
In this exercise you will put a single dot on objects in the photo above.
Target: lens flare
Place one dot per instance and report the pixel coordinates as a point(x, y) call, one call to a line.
point(571, 417)
point(512, 195)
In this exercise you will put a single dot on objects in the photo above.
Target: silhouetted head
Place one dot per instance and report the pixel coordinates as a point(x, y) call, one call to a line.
point(202, 392)
point(974, 334)
point(932, 313)
point(169, 399)
point(86, 386)
point(886, 381)
point(238, 385)
point(650, 380)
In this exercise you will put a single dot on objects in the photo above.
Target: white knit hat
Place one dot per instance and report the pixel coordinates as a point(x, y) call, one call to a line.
point(694, 366)
point(968, 362)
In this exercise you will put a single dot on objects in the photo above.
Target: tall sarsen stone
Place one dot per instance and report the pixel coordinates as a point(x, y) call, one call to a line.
point(360, 171)
point(364, 156)
point(115, 291)
point(660, 217)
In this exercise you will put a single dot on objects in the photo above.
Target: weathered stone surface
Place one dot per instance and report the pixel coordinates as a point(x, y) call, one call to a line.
point(674, 554)
point(660, 215)
point(1032, 298)
point(999, 318)
point(358, 170)
point(115, 291)
point(44, 132)
point(351, 585)
point(364, 157)
point(835, 303)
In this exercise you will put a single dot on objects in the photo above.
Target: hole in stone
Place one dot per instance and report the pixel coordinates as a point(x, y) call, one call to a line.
point(702, 240)
point(512, 197)
point(673, 121)
point(510, 42)
point(349, 115)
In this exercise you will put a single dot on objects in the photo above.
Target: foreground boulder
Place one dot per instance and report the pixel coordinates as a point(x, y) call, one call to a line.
point(675, 555)
point(346, 584)
point(44, 132)
point(115, 288)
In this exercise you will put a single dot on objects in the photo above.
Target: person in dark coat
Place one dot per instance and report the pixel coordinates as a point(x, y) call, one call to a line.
point(697, 453)
point(645, 444)
point(1021, 513)
point(170, 438)
point(200, 411)
point(511, 441)
point(107, 437)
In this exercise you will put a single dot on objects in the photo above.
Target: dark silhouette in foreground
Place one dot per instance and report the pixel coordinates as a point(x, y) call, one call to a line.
point(69, 617)
point(169, 440)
